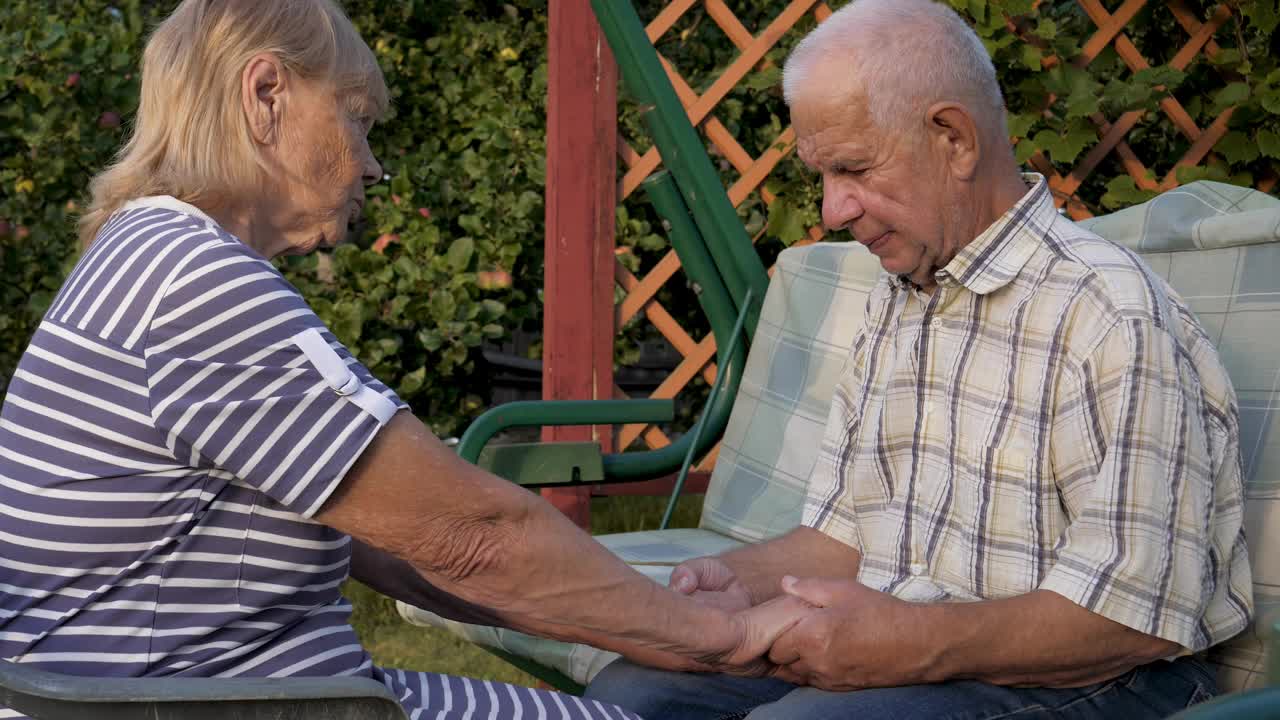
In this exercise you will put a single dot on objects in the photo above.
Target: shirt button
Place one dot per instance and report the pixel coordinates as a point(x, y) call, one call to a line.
point(917, 568)
point(935, 323)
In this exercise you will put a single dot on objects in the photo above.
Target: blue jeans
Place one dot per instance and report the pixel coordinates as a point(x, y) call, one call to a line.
point(1156, 690)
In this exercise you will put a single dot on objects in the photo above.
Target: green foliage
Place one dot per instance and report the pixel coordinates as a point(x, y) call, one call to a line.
point(452, 254)
point(66, 80)
point(460, 218)
point(1051, 110)
point(462, 214)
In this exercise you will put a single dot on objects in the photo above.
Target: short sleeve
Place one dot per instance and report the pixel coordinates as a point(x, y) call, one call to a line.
point(1152, 491)
point(827, 507)
point(244, 378)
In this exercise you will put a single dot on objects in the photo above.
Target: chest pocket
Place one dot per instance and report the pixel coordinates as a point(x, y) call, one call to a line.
point(991, 549)
point(288, 561)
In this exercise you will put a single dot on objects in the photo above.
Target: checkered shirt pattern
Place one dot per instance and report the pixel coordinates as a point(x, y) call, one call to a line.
point(1052, 416)
point(1218, 245)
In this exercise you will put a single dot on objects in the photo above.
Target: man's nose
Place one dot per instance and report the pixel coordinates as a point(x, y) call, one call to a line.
point(840, 207)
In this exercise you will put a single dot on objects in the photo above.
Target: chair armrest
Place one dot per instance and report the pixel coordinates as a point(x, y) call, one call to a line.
point(42, 694)
point(537, 413)
point(545, 464)
point(1261, 704)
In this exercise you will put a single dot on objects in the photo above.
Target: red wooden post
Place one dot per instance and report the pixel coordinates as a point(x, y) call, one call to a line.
point(578, 327)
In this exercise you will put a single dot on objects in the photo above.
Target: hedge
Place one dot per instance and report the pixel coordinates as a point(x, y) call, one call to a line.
point(451, 258)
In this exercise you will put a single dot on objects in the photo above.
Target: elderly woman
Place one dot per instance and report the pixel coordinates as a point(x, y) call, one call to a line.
point(191, 464)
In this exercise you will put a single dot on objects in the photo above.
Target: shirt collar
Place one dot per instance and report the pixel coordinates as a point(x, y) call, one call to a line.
point(994, 258)
point(169, 202)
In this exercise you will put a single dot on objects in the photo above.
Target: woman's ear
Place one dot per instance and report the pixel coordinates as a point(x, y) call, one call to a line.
point(262, 95)
point(953, 133)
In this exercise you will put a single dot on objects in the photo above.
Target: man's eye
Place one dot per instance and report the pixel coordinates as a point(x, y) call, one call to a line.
point(848, 171)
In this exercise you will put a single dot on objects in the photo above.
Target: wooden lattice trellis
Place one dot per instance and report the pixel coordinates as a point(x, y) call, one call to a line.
point(752, 172)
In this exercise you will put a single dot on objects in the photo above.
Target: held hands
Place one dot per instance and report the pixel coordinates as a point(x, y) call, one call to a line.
point(827, 633)
point(852, 638)
point(751, 630)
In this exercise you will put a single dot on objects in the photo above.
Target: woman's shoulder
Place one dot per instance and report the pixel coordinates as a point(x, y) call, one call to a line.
point(155, 262)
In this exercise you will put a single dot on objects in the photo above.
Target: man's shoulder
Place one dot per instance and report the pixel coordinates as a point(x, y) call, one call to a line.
point(1113, 277)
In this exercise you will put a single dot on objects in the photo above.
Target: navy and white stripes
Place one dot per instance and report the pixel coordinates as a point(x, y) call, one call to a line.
point(180, 415)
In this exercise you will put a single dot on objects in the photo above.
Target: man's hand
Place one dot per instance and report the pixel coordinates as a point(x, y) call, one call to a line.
point(710, 581)
point(855, 637)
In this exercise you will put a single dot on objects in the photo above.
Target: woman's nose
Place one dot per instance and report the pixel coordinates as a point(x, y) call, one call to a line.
point(372, 170)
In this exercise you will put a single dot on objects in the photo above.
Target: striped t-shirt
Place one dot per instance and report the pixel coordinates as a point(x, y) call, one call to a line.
point(178, 418)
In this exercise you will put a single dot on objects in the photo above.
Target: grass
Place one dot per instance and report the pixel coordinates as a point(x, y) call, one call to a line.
point(395, 643)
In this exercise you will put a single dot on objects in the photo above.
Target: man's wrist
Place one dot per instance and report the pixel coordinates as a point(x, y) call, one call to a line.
point(942, 635)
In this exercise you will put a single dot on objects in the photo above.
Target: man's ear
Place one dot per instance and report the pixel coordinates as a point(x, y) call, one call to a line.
point(953, 133)
point(262, 95)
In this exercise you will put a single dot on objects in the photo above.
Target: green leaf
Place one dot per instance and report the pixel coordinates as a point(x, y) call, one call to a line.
point(411, 383)
point(348, 321)
point(1226, 57)
point(1237, 147)
point(765, 79)
point(1271, 101)
point(1031, 56)
point(1023, 151)
point(1020, 125)
point(978, 9)
point(1018, 7)
point(1081, 104)
point(785, 222)
point(459, 253)
point(1065, 148)
point(1263, 15)
point(431, 340)
point(1233, 94)
point(1191, 174)
point(1160, 75)
point(1269, 143)
point(1122, 191)
point(442, 305)
point(400, 184)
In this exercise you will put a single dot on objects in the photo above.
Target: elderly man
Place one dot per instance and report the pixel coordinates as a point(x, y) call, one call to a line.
point(1028, 500)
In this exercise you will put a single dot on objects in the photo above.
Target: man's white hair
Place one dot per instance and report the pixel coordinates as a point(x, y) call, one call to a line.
point(908, 55)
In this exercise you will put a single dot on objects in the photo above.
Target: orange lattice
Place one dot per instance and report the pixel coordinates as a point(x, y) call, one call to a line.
point(753, 171)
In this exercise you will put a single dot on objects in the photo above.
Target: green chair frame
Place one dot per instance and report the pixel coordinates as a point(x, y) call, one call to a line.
point(53, 696)
point(720, 262)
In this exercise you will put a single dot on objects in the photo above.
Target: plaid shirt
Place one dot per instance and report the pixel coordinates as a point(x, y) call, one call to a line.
point(1051, 417)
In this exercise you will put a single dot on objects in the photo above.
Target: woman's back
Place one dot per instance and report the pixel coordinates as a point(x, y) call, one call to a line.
point(129, 548)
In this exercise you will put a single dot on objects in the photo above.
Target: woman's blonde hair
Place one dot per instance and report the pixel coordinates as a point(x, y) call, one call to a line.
point(190, 137)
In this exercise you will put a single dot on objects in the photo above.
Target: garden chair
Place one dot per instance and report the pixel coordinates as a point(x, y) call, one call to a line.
point(1218, 245)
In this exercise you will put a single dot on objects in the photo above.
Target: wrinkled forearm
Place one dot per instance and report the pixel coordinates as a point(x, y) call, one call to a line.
point(493, 545)
point(1037, 639)
point(397, 579)
point(537, 572)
